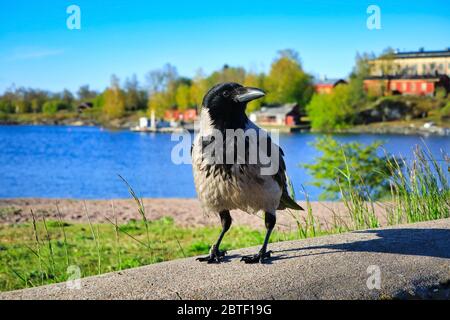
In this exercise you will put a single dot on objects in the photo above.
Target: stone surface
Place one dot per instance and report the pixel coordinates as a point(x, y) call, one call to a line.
point(413, 260)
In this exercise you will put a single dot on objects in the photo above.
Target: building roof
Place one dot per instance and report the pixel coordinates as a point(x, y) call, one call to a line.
point(330, 82)
point(432, 77)
point(422, 54)
point(278, 110)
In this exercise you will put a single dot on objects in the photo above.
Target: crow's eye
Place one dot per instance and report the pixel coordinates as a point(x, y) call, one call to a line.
point(226, 94)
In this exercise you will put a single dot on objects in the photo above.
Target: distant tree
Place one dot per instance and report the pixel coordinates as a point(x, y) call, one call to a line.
point(6, 106)
point(361, 71)
point(21, 101)
point(85, 94)
point(198, 89)
point(36, 105)
point(53, 106)
point(291, 54)
point(50, 107)
point(7, 101)
point(134, 98)
point(287, 82)
point(182, 97)
point(183, 81)
point(34, 98)
point(387, 65)
point(99, 101)
point(159, 102)
point(158, 80)
point(143, 99)
point(172, 91)
point(331, 111)
point(114, 82)
point(114, 100)
point(227, 74)
point(67, 98)
point(362, 67)
point(162, 91)
point(22, 106)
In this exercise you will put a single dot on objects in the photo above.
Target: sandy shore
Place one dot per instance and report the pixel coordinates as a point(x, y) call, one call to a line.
point(186, 212)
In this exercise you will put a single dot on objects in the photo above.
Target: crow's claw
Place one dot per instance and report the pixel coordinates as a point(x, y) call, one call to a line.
point(215, 256)
point(257, 258)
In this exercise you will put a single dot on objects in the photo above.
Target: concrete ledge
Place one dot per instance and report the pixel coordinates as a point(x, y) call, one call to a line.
point(413, 259)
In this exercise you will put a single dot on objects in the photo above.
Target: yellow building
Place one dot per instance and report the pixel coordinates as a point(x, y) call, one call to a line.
point(414, 63)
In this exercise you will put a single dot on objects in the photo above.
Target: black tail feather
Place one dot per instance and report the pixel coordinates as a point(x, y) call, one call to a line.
point(287, 202)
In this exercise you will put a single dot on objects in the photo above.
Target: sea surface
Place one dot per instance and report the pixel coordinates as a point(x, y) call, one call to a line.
point(84, 162)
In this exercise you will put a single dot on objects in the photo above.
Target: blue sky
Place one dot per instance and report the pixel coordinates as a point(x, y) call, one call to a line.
point(126, 37)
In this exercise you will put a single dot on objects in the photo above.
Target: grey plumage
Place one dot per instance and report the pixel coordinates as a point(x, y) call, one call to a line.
point(238, 185)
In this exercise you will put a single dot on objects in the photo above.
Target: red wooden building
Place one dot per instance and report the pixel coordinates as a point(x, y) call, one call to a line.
point(188, 115)
point(412, 85)
point(326, 86)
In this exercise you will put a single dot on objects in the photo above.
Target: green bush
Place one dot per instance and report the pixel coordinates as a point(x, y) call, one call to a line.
point(22, 106)
point(6, 106)
point(348, 168)
point(52, 107)
point(3, 116)
point(440, 93)
point(331, 111)
point(445, 111)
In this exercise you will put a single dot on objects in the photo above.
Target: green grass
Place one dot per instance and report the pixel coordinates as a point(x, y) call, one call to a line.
point(421, 191)
point(29, 258)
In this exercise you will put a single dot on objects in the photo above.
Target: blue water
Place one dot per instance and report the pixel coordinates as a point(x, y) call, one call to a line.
point(83, 162)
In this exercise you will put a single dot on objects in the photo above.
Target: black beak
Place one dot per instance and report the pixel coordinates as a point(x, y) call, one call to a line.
point(246, 94)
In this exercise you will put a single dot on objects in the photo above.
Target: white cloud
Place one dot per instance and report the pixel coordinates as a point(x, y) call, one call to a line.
point(34, 53)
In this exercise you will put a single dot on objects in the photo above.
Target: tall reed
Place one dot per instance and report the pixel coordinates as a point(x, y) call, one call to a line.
point(95, 237)
point(420, 188)
point(141, 208)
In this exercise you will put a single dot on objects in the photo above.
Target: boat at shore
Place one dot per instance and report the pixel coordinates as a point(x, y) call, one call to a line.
point(153, 126)
point(161, 130)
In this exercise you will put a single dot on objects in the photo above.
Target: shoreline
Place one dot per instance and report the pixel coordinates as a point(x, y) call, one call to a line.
point(186, 212)
point(393, 127)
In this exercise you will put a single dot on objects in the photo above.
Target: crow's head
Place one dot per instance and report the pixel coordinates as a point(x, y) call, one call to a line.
point(226, 102)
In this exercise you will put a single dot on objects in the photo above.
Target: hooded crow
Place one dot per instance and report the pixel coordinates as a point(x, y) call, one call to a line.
point(233, 161)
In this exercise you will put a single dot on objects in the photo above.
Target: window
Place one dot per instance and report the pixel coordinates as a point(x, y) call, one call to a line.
point(424, 86)
point(413, 86)
point(432, 67)
point(424, 69)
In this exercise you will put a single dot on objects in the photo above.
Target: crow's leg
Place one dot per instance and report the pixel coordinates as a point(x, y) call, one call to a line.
point(270, 220)
point(215, 255)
